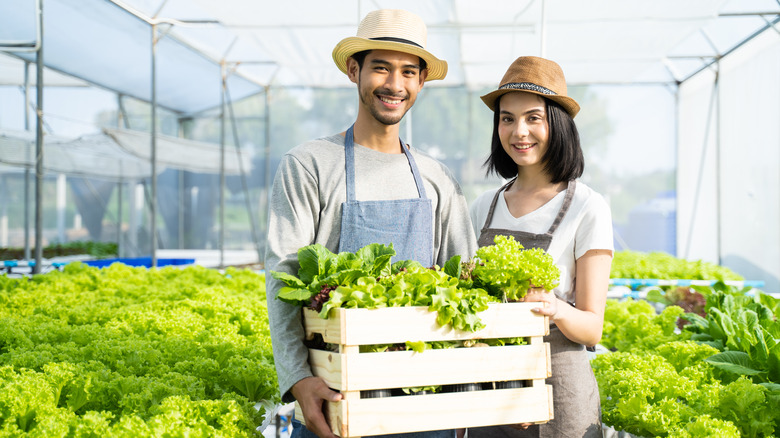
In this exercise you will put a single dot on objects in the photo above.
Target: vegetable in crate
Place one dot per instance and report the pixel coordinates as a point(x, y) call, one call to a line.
point(507, 270)
point(366, 279)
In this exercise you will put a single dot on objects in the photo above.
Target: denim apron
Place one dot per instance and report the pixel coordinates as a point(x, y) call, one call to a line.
point(406, 223)
point(576, 403)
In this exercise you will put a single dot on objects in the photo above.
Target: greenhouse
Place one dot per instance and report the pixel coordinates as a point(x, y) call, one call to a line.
point(139, 140)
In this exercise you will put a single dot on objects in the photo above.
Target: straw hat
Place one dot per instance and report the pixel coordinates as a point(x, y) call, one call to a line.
point(390, 29)
point(538, 76)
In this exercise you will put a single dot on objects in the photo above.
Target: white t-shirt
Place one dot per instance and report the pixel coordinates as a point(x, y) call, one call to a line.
point(587, 225)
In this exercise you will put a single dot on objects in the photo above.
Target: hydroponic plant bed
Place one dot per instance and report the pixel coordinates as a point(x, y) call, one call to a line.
point(718, 376)
point(134, 352)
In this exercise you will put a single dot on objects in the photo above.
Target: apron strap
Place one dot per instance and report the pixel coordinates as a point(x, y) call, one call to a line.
point(349, 165)
point(564, 208)
point(561, 213)
point(415, 171)
point(493, 205)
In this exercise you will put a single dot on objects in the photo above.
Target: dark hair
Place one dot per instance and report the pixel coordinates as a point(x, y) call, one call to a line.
point(361, 56)
point(563, 160)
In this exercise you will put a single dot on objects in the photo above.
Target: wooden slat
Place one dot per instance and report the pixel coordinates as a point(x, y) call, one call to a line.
point(442, 411)
point(401, 369)
point(401, 324)
point(350, 371)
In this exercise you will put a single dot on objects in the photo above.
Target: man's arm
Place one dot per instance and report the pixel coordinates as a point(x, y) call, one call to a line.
point(293, 223)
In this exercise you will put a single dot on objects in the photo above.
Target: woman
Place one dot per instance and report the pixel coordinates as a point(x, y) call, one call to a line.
point(536, 145)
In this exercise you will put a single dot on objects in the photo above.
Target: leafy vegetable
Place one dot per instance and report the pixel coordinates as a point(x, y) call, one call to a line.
point(714, 378)
point(745, 330)
point(634, 264)
point(134, 352)
point(458, 292)
point(507, 270)
point(366, 280)
point(634, 325)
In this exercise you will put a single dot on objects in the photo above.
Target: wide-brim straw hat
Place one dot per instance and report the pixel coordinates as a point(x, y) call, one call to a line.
point(391, 29)
point(538, 76)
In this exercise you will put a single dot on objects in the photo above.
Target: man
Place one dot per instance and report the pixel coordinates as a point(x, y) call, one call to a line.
point(360, 187)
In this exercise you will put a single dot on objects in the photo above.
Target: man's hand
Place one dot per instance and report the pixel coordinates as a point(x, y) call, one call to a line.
point(311, 393)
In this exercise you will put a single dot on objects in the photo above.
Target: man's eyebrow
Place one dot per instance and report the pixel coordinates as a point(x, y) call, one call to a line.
point(387, 63)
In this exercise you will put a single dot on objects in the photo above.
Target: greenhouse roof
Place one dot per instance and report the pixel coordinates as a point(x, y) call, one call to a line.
point(289, 44)
point(117, 154)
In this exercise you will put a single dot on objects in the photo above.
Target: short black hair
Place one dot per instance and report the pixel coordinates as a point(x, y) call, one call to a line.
point(563, 160)
point(361, 56)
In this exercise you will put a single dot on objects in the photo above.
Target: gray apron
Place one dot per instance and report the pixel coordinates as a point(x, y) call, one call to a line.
point(407, 224)
point(576, 404)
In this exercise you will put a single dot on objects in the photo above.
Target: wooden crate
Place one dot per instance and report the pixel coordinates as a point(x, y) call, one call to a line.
point(350, 372)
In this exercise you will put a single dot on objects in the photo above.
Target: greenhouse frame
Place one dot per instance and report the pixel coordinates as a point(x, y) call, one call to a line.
point(157, 124)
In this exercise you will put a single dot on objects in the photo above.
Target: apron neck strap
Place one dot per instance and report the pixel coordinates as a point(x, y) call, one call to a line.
point(561, 213)
point(564, 208)
point(489, 218)
point(349, 165)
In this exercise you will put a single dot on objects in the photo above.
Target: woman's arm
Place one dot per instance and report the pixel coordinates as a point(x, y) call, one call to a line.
point(585, 322)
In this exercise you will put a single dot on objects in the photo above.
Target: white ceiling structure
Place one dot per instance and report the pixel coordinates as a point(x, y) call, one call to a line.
point(289, 43)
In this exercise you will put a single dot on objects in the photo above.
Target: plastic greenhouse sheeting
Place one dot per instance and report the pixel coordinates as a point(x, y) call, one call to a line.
point(119, 154)
point(596, 41)
point(182, 154)
point(100, 42)
point(93, 155)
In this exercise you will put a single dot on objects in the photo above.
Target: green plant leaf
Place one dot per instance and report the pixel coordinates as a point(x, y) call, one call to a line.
point(736, 362)
point(289, 280)
point(453, 267)
point(294, 295)
point(313, 260)
point(416, 346)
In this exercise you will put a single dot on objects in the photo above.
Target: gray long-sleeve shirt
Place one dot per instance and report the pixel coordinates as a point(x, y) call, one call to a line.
point(308, 191)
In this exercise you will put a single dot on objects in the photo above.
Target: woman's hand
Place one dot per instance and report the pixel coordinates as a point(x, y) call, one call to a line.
point(521, 426)
point(541, 296)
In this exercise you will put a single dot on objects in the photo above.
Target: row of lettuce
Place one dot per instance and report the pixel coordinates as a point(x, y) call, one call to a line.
point(131, 352)
point(124, 351)
point(711, 371)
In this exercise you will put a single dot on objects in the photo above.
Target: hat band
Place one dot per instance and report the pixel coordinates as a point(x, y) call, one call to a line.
point(397, 40)
point(527, 86)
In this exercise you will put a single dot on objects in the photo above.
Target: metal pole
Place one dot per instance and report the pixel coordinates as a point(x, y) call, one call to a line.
point(26, 167)
point(39, 148)
point(119, 241)
point(153, 201)
point(267, 176)
point(222, 168)
point(244, 184)
point(718, 191)
point(543, 33)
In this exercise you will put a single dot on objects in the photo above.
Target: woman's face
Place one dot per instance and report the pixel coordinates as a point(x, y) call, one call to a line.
point(523, 128)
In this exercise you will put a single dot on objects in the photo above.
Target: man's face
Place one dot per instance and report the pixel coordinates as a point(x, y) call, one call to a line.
point(388, 84)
